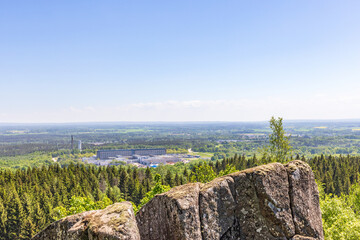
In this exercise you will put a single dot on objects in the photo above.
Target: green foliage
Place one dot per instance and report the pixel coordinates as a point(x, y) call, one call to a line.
point(229, 169)
point(80, 204)
point(340, 215)
point(203, 173)
point(179, 150)
point(353, 199)
point(157, 189)
point(279, 149)
point(336, 174)
point(25, 161)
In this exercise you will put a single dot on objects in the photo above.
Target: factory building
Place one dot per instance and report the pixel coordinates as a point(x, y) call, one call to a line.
point(165, 159)
point(107, 154)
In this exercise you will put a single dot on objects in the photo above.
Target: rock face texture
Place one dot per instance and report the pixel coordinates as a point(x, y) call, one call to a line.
point(112, 223)
point(172, 215)
point(304, 197)
point(272, 201)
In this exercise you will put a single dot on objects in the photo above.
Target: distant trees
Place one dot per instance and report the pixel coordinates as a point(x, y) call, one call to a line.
point(337, 174)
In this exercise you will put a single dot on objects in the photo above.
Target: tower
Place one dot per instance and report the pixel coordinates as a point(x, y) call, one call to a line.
point(72, 142)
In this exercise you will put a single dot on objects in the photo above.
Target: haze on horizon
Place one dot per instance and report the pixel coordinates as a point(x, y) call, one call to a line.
point(94, 61)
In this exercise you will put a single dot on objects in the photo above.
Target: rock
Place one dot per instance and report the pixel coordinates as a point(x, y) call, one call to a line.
point(257, 203)
point(217, 206)
point(172, 215)
point(304, 197)
point(263, 204)
point(112, 223)
point(298, 237)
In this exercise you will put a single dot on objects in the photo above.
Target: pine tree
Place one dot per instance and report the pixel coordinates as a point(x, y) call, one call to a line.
point(177, 179)
point(15, 215)
point(168, 179)
point(148, 174)
point(3, 221)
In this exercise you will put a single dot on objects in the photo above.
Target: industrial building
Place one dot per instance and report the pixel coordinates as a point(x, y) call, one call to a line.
point(107, 154)
point(165, 159)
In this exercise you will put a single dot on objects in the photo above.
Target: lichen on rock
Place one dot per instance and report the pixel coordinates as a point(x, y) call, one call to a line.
point(112, 223)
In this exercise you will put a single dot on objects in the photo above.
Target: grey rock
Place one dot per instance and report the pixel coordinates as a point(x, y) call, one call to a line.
point(263, 203)
point(112, 223)
point(217, 207)
point(304, 196)
point(298, 237)
point(173, 215)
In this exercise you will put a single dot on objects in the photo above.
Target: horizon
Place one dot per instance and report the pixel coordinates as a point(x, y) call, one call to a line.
point(355, 120)
point(180, 61)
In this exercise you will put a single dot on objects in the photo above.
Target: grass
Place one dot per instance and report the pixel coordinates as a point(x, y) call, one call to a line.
point(134, 130)
point(125, 130)
point(203, 154)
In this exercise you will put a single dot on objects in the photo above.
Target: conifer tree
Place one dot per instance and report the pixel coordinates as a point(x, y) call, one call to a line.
point(177, 179)
point(168, 179)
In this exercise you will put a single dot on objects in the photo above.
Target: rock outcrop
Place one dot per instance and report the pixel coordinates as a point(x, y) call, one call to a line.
point(112, 223)
point(273, 201)
point(172, 215)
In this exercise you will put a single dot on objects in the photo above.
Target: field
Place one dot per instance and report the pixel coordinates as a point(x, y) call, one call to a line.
point(26, 145)
point(203, 154)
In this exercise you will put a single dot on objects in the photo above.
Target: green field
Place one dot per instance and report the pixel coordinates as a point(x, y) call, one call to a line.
point(202, 154)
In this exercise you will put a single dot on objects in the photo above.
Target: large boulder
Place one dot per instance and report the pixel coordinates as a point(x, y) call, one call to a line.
point(272, 201)
point(304, 197)
point(217, 206)
point(172, 215)
point(263, 203)
point(112, 223)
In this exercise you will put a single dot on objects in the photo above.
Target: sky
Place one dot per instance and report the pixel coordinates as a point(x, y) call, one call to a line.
point(204, 60)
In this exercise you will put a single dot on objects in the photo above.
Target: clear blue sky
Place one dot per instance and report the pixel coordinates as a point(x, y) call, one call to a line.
point(70, 61)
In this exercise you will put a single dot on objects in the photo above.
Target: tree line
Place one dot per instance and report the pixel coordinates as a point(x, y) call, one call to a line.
point(33, 198)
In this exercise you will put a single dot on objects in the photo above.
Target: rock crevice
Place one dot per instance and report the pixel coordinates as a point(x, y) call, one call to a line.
point(272, 201)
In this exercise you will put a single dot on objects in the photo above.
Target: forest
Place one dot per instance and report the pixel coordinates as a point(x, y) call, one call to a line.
point(31, 199)
point(35, 190)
